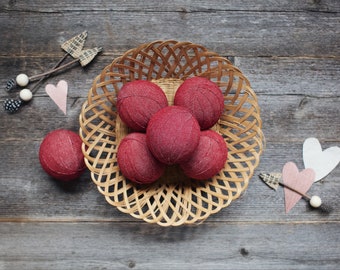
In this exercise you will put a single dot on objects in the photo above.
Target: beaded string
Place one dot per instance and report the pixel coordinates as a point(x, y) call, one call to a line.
point(73, 47)
point(12, 105)
point(273, 180)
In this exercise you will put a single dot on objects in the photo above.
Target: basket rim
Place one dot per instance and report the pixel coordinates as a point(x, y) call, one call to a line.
point(92, 102)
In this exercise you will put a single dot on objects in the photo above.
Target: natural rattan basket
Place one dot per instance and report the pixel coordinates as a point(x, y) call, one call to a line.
point(173, 199)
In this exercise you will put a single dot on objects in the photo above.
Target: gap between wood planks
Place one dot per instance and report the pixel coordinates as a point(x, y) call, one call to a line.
point(85, 220)
point(115, 54)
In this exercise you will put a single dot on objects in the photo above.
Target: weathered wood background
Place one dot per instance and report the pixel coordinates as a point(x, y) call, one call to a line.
point(290, 52)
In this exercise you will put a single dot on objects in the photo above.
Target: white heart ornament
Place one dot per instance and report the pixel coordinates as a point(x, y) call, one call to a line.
point(322, 162)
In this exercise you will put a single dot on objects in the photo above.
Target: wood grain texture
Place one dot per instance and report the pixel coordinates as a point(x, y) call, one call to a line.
point(141, 246)
point(240, 33)
point(289, 50)
point(175, 5)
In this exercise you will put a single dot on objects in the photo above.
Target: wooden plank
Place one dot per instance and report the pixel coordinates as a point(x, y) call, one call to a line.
point(28, 193)
point(239, 33)
point(288, 105)
point(292, 119)
point(175, 6)
point(302, 77)
point(140, 246)
point(299, 76)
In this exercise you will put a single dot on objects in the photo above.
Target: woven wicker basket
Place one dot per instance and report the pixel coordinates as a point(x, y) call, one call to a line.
point(174, 199)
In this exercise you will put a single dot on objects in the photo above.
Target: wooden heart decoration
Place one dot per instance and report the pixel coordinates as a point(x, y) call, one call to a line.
point(58, 94)
point(322, 162)
point(301, 181)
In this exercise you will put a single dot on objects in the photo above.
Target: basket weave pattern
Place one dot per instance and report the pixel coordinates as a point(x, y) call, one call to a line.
point(174, 199)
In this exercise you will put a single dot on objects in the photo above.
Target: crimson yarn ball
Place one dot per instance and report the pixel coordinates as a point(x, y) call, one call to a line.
point(60, 155)
point(135, 160)
point(172, 134)
point(137, 101)
point(203, 98)
point(209, 157)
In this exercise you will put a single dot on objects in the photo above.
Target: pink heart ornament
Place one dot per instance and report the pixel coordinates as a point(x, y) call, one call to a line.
point(301, 181)
point(58, 94)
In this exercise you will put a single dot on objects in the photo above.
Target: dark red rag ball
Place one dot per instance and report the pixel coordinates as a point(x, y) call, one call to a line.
point(137, 101)
point(61, 156)
point(209, 157)
point(203, 98)
point(135, 160)
point(172, 134)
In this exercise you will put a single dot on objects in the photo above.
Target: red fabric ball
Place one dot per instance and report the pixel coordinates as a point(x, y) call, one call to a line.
point(172, 134)
point(203, 98)
point(61, 156)
point(209, 157)
point(135, 160)
point(137, 101)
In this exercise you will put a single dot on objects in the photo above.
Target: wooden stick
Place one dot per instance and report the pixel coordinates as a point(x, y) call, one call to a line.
point(34, 88)
point(32, 78)
point(306, 196)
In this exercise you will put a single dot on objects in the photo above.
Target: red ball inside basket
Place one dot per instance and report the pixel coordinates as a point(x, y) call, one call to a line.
point(203, 98)
point(172, 134)
point(136, 161)
point(137, 101)
point(208, 158)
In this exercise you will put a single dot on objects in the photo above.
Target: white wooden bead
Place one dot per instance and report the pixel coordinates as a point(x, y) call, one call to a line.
point(315, 201)
point(26, 94)
point(22, 80)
